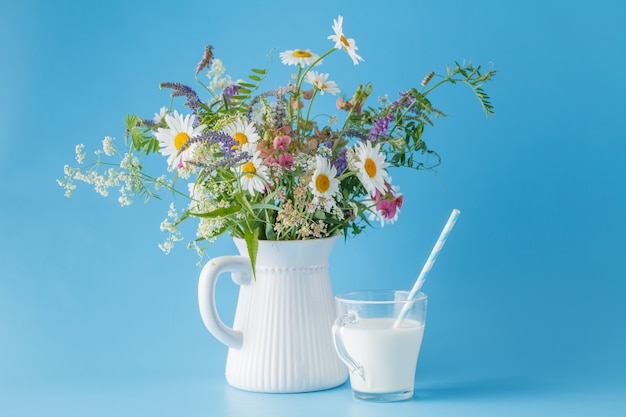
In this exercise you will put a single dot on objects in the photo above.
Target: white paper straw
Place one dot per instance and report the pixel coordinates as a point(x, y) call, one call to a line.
point(428, 265)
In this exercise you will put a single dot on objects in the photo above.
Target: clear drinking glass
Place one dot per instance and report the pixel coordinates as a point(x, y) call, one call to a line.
point(380, 351)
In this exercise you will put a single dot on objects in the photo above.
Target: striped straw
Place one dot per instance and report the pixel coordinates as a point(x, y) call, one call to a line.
point(428, 265)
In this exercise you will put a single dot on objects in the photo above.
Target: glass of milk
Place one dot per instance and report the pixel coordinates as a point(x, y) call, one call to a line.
point(380, 352)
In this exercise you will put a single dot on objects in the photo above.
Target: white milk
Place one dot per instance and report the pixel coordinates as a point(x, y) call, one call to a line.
point(387, 355)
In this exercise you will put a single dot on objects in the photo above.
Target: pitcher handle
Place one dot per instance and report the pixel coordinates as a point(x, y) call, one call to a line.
point(241, 272)
point(352, 364)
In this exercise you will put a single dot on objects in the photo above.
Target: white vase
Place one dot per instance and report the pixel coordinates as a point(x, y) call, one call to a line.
point(281, 339)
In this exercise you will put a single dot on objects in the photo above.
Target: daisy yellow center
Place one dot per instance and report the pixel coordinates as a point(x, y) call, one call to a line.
point(249, 169)
point(180, 139)
point(241, 138)
point(302, 54)
point(322, 183)
point(344, 41)
point(370, 167)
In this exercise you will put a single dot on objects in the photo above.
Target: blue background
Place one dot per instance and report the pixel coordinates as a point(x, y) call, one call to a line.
point(526, 308)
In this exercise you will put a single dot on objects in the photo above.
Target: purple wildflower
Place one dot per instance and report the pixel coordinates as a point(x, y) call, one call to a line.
point(355, 133)
point(206, 60)
point(380, 126)
point(227, 143)
point(225, 162)
point(405, 100)
point(340, 162)
point(280, 109)
point(181, 90)
point(230, 91)
point(148, 123)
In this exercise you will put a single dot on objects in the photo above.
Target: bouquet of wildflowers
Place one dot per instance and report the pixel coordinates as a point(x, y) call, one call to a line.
point(261, 165)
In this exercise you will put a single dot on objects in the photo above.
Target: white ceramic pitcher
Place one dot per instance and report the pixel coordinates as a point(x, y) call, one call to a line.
point(281, 339)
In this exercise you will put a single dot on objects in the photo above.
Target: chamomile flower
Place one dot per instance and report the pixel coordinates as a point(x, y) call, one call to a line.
point(341, 42)
point(298, 57)
point(319, 81)
point(370, 165)
point(171, 139)
point(242, 131)
point(253, 174)
point(158, 117)
point(324, 185)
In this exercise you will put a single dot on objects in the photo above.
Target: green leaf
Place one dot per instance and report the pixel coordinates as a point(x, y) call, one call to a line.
point(319, 215)
point(264, 206)
point(131, 121)
point(220, 212)
point(245, 203)
point(269, 231)
point(252, 241)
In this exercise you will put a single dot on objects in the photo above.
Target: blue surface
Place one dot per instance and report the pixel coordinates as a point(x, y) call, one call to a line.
point(526, 303)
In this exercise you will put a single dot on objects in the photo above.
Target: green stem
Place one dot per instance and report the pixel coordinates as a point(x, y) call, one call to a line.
point(308, 112)
point(299, 80)
point(296, 98)
point(206, 87)
point(357, 100)
point(445, 80)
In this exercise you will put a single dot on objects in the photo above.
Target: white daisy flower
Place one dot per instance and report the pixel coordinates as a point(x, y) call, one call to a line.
point(250, 148)
point(253, 174)
point(341, 42)
point(195, 195)
point(171, 139)
point(319, 81)
point(370, 165)
point(324, 185)
point(242, 131)
point(158, 117)
point(298, 57)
